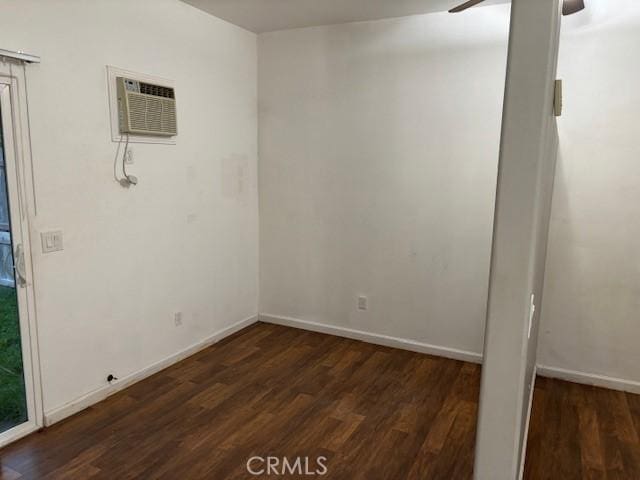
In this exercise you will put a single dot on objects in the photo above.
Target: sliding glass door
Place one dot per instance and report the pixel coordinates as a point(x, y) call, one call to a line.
point(13, 404)
point(20, 404)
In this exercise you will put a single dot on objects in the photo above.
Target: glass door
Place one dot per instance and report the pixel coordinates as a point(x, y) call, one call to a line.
point(20, 394)
point(13, 405)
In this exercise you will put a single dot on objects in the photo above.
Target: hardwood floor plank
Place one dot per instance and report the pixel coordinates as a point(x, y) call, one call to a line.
point(270, 390)
point(590, 447)
point(611, 447)
point(582, 432)
point(634, 408)
point(568, 452)
point(345, 428)
point(7, 473)
point(374, 412)
point(451, 457)
point(626, 434)
point(537, 432)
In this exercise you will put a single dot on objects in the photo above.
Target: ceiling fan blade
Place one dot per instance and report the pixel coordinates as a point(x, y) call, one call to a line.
point(570, 7)
point(465, 5)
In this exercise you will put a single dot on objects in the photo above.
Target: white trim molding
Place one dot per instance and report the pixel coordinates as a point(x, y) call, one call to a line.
point(596, 380)
point(20, 56)
point(375, 338)
point(91, 398)
point(21, 190)
point(16, 433)
point(525, 440)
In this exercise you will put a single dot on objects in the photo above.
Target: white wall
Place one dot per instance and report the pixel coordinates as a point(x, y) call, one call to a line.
point(592, 297)
point(184, 239)
point(378, 157)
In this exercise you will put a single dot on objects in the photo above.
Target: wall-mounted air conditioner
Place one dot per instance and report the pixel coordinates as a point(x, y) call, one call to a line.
point(146, 109)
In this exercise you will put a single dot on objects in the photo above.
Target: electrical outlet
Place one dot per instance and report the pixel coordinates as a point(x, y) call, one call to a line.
point(128, 159)
point(177, 318)
point(363, 303)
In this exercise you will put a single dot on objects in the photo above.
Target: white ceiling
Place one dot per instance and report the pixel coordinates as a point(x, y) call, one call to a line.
point(268, 15)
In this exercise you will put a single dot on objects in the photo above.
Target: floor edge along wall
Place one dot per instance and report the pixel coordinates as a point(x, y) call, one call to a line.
point(60, 413)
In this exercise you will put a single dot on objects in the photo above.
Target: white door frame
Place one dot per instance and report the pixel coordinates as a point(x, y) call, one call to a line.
point(17, 153)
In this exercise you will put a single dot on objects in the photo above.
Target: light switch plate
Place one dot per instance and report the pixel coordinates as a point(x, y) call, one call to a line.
point(51, 241)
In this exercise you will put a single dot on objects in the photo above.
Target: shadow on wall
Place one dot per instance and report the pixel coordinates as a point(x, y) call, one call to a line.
point(592, 291)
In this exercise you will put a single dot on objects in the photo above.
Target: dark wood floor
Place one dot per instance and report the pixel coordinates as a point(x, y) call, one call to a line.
point(373, 412)
point(581, 432)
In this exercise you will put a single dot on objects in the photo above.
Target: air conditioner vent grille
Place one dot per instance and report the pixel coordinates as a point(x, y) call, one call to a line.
point(156, 90)
point(146, 109)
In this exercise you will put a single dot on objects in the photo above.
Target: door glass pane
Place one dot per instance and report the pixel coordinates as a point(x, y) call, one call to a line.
point(13, 407)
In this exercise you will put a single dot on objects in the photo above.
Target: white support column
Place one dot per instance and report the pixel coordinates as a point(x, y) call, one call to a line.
point(528, 152)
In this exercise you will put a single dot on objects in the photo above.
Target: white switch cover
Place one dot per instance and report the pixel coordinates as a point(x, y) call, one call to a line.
point(51, 241)
point(363, 303)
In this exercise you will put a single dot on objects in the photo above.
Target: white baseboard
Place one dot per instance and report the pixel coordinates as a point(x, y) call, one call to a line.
point(525, 439)
point(91, 398)
point(603, 381)
point(374, 338)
